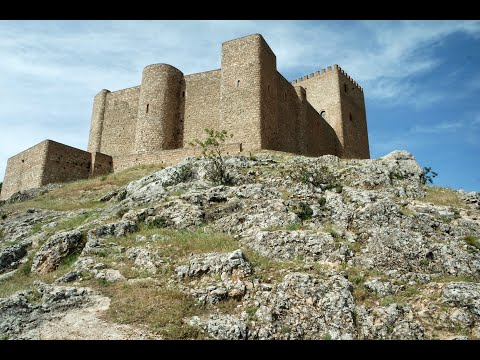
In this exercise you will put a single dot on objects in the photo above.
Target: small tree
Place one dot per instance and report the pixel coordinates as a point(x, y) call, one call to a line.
point(212, 150)
point(427, 175)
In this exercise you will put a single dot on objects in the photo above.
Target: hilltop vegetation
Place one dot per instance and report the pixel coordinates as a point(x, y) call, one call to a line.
point(290, 248)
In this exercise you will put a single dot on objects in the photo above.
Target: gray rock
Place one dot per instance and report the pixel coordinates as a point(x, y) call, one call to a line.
point(10, 256)
point(464, 295)
point(26, 309)
point(305, 307)
point(109, 275)
point(216, 263)
point(68, 277)
point(144, 259)
point(59, 246)
point(120, 228)
point(222, 327)
point(381, 288)
point(310, 245)
point(394, 321)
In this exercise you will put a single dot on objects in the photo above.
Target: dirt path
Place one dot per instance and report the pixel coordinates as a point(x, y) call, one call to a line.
point(85, 324)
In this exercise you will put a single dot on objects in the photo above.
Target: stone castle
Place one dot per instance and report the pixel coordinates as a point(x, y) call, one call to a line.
point(321, 113)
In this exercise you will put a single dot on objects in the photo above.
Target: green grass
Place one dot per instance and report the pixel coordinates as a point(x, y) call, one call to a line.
point(160, 308)
point(442, 196)
point(472, 241)
point(84, 194)
point(407, 212)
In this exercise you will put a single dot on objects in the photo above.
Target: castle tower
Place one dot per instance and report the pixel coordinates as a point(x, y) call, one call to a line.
point(159, 107)
point(248, 93)
point(339, 99)
point(96, 127)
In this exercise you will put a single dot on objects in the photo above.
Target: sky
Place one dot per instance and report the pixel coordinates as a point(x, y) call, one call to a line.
point(421, 79)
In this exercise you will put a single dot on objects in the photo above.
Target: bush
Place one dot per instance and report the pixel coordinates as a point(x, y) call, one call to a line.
point(427, 175)
point(303, 211)
point(211, 149)
point(316, 176)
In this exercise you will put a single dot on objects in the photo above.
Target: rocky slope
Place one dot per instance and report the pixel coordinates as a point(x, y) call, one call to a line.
point(292, 248)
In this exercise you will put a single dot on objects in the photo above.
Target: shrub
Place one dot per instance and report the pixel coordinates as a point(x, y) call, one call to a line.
point(211, 149)
point(316, 176)
point(427, 175)
point(472, 241)
point(303, 211)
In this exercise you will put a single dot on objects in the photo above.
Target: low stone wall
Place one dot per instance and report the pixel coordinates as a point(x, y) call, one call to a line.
point(51, 162)
point(166, 157)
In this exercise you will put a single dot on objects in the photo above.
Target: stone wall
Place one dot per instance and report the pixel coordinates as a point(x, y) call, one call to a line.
point(65, 163)
point(51, 162)
point(160, 109)
point(334, 92)
point(166, 157)
point(101, 164)
point(241, 90)
point(354, 118)
point(119, 124)
point(24, 170)
point(202, 105)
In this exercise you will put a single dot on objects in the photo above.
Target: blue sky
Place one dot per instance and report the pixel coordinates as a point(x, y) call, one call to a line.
point(421, 79)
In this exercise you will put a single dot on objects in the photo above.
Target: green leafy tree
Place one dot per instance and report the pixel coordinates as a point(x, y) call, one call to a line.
point(427, 175)
point(212, 150)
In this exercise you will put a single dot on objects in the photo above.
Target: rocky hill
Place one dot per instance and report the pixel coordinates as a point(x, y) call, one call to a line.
point(292, 248)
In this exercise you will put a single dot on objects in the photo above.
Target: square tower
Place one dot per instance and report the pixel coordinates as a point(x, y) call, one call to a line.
point(339, 99)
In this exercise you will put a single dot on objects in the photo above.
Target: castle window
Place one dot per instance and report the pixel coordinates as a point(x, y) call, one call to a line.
point(238, 83)
point(324, 114)
point(23, 160)
point(285, 95)
point(147, 108)
point(183, 94)
point(268, 88)
point(345, 87)
point(351, 117)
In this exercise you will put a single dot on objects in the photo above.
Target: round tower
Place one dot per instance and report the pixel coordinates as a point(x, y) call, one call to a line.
point(158, 108)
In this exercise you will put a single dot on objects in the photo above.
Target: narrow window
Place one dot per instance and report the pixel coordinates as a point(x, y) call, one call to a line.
point(324, 115)
point(268, 88)
point(238, 83)
point(345, 87)
point(351, 117)
point(183, 94)
point(147, 108)
point(285, 96)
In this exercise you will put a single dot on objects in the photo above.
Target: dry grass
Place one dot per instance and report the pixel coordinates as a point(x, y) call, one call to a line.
point(83, 194)
point(159, 308)
point(442, 196)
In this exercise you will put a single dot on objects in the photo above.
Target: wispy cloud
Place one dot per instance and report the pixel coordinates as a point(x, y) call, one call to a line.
point(50, 70)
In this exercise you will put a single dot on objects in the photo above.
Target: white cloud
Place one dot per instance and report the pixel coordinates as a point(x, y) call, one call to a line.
point(50, 70)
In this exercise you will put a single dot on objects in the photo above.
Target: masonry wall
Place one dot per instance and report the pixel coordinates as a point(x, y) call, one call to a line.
point(119, 124)
point(24, 170)
point(65, 163)
point(101, 164)
point(285, 137)
point(51, 162)
point(354, 118)
point(202, 105)
point(166, 157)
point(97, 121)
point(323, 93)
point(241, 90)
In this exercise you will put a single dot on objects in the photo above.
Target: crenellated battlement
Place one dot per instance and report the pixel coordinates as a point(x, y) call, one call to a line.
point(324, 72)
